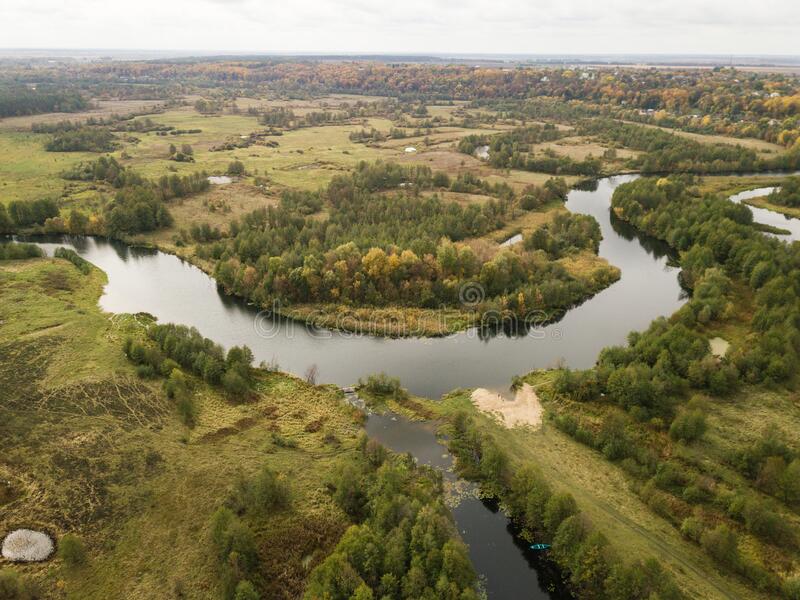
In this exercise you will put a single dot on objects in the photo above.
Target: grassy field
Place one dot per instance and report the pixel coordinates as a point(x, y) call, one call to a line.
point(27, 172)
point(88, 448)
point(731, 184)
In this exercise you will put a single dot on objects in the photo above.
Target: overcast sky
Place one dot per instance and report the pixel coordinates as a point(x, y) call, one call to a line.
point(408, 26)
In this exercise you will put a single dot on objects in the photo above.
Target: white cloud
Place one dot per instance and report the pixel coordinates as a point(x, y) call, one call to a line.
point(411, 26)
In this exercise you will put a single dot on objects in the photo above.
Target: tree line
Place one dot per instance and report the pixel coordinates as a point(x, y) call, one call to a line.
point(82, 139)
point(181, 346)
point(788, 194)
point(667, 152)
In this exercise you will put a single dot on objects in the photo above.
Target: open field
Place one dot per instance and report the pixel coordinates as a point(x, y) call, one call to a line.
point(731, 184)
point(580, 148)
point(88, 448)
point(27, 172)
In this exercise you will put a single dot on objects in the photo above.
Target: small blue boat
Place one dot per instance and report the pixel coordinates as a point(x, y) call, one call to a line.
point(540, 546)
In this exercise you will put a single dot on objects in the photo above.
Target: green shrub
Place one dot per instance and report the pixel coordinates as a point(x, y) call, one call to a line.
point(72, 551)
point(236, 168)
point(14, 251)
point(145, 371)
point(14, 587)
point(383, 385)
point(82, 265)
point(688, 426)
point(246, 591)
point(692, 528)
point(266, 491)
point(187, 410)
point(722, 544)
point(558, 507)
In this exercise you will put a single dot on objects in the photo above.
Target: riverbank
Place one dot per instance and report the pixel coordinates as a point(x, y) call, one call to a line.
point(594, 273)
point(763, 202)
point(602, 492)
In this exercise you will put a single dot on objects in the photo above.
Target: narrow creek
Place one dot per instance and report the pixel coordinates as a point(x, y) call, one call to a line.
point(142, 280)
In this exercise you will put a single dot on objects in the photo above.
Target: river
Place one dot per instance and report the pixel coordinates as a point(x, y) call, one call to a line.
point(142, 280)
point(770, 217)
point(174, 291)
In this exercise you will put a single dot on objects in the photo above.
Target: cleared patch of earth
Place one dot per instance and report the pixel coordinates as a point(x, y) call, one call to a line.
point(719, 346)
point(524, 409)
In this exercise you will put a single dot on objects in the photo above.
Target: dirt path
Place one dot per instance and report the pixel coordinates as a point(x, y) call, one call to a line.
point(524, 409)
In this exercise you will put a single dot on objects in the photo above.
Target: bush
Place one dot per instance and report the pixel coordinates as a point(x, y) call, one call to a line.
point(688, 426)
point(383, 385)
point(692, 528)
point(72, 551)
point(264, 492)
point(234, 383)
point(188, 410)
point(767, 524)
point(14, 587)
point(236, 168)
point(14, 251)
point(246, 591)
point(145, 371)
point(558, 508)
point(722, 544)
point(82, 265)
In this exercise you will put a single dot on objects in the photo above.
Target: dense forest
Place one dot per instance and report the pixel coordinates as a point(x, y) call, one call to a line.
point(723, 101)
point(667, 152)
point(403, 543)
point(17, 101)
point(377, 248)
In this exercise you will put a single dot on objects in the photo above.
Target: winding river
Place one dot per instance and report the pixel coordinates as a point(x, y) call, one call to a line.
point(142, 280)
point(175, 291)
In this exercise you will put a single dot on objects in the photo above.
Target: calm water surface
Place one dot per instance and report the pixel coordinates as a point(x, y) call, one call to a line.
point(770, 217)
